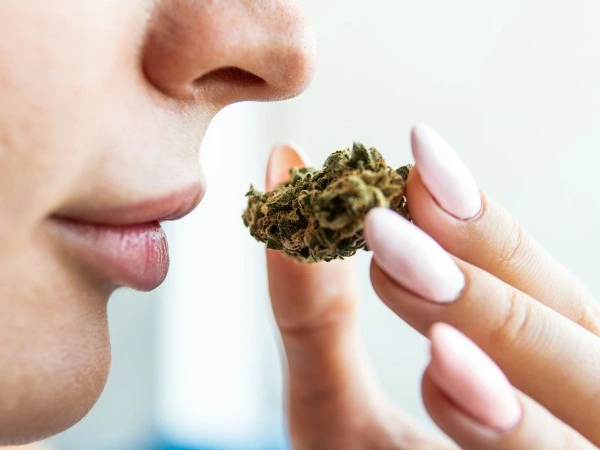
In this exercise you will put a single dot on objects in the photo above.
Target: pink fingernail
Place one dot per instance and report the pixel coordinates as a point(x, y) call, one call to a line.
point(411, 257)
point(445, 175)
point(471, 379)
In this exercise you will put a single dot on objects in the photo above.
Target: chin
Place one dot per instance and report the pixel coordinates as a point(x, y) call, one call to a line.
point(53, 381)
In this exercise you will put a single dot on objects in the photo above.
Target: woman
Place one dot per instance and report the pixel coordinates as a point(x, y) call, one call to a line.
point(102, 108)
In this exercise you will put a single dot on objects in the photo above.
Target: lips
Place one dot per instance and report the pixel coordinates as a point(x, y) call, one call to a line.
point(125, 245)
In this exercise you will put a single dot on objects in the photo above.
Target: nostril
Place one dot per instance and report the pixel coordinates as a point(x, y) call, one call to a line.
point(231, 75)
point(221, 52)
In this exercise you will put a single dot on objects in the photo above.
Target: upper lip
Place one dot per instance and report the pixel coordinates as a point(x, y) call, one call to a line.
point(172, 206)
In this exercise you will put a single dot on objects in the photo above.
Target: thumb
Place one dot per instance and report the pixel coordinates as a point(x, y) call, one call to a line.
point(334, 399)
point(314, 306)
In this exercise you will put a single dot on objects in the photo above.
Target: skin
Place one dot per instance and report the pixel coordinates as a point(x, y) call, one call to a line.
point(104, 104)
point(91, 124)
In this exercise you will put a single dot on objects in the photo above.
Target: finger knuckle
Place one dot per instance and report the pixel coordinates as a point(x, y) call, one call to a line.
point(589, 314)
point(513, 251)
point(334, 318)
point(516, 321)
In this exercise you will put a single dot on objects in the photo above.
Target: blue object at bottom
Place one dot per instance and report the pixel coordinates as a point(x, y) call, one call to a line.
point(252, 446)
point(267, 444)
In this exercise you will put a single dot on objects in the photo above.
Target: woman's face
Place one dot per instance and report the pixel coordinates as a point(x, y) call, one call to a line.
point(103, 105)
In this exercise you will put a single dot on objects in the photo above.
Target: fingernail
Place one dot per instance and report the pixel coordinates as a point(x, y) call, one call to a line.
point(445, 175)
point(474, 382)
point(283, 157)
point(411, 257)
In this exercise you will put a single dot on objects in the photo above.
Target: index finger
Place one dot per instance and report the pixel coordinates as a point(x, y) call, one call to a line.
point(490, 239)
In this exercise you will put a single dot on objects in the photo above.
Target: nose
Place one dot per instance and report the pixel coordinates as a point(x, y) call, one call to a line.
point(223, 51)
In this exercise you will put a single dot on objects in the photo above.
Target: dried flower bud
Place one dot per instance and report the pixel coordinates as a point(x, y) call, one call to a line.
point(318, 215)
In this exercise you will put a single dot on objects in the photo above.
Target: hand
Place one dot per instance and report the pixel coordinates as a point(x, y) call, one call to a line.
point(486, 277)
point(481, 275)
point(334, 400)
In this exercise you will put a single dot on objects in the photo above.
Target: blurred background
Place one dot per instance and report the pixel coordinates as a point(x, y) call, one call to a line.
point(512, 85)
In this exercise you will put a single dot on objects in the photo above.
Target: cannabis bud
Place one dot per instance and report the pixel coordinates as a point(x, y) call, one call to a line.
point(318, 215)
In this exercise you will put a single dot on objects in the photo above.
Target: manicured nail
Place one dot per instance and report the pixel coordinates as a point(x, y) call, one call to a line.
point(445, 175)
point(282, 158)
point(474, 382)
point(411, 257)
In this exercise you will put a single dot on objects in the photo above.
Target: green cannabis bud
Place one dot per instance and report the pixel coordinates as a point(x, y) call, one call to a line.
point(318, 215)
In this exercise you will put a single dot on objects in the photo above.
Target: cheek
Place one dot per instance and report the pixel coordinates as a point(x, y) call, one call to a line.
point(55, 347)
point(56, 77)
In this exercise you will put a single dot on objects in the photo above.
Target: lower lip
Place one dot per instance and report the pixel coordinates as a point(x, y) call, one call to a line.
point(136, 256)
